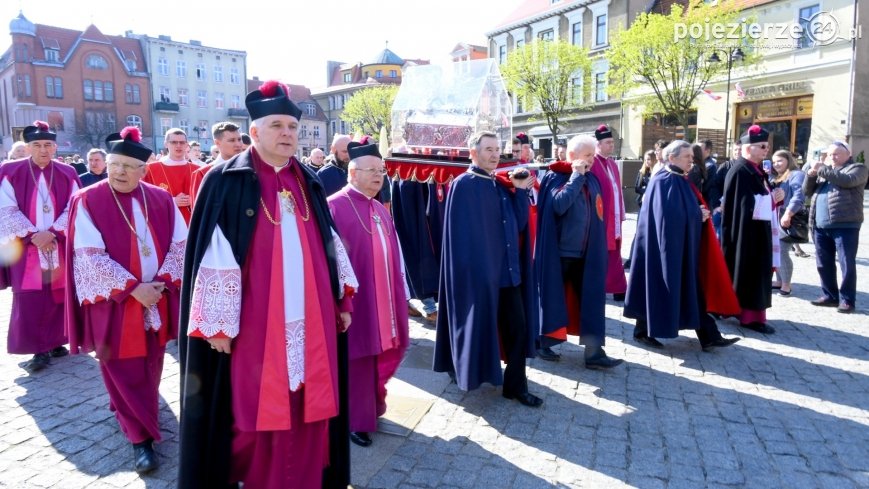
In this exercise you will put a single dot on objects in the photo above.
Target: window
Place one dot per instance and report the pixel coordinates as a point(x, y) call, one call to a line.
point(502, 54)
point(96, 62)
point(576, 34)
point(109, 91)
point(576, 90)
point(98, 91)
point(303, 132)
point(334, 127)
point(184, 125)
point(317, 131)
point(180, 69)
point(165, 124)
point(53, 87)
point(163, 66)
point(131, 94)
point(378, 74)
point(21, 52)
point(204, 129)
point(218, 74)
point(88, 90)
point(600, 32)
point(347, 77)
point(182, 97)
point(200, 72)
point(52, 55)
point(311, 109)
point(519, 43)
point(233, 76)
point(600, 87)
point(235, 102)
point(165, 94)
point(808, 28)
point(393, 74)
point(218, 100)
point(134, 120)
point(111, 124)
point(546, 35)
point(201, 99)
point(130, 64)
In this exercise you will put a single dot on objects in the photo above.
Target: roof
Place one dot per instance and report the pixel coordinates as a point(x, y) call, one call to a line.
point(65, 42)
point(387, 57)
point(663, 6)
point(534, 8)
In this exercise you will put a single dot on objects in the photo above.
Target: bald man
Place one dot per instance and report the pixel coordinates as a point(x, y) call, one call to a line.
point(334, 172)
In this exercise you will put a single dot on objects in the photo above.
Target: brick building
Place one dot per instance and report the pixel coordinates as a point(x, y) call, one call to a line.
point(85, 84)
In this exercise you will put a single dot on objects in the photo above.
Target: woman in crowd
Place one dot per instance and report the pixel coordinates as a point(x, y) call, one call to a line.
point(788, 177)
point(640, 184)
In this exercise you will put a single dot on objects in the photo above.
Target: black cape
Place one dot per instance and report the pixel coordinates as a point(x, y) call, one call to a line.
point(746, 243)
point(229, 197)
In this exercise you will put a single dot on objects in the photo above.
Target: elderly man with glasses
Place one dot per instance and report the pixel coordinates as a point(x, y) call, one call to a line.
point(379, 336)
point(749, 235)
point(836, 188)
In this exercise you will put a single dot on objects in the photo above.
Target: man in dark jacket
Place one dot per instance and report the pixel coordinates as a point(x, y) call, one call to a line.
point(836, 188)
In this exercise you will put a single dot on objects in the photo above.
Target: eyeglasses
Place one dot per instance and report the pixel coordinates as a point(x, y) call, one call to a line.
point(762, 146)
point(373, 171)
point(124, 167)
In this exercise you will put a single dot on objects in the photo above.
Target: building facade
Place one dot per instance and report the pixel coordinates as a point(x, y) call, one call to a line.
point(803, 91)
point(194, 86)
point(345, 79)
point(587, 24)
point(85, 84)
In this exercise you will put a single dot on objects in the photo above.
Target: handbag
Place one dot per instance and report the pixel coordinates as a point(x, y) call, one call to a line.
point(798, 232)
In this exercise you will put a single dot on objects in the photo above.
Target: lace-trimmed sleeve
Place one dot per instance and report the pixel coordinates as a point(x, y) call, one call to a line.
point(172, 268)
point(215, 308)
point(97, 276)
point(347, 283)
point(13, 223)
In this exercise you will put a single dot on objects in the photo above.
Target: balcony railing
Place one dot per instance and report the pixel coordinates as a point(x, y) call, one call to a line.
point(238, 113)
point(166, 107)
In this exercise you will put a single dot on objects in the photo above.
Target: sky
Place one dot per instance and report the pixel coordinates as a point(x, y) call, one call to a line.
point(289, 40)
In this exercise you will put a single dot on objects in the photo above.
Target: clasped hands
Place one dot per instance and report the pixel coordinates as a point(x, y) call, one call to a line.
point(44, 240)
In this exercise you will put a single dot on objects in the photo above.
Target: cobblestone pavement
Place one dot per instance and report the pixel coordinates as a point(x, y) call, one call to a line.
point(787, 410)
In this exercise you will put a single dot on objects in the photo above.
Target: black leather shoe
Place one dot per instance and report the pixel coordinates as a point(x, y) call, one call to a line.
point(526, 399)
point(759, 327)
point(37, 363)
point(360, 438)
point(619, 297)
point(845, 308)
point(825, 302)
point(649, 341)
point(719, 343)
point(58, 352)
point(602, 362)
point(548, 355)
point(144, 458)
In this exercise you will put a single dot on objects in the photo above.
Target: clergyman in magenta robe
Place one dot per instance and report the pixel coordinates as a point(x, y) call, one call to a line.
point(607, 172)
point(379, 336)
point(34, 212)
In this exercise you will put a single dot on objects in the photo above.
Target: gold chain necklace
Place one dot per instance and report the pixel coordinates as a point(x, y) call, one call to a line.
point(376, 218)
point(146, 250)
point(45, 207)
point(291, 205)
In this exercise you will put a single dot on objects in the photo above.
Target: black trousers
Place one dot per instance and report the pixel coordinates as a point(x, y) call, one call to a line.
point(707, 331)
point(573, 272)
point(512, 330)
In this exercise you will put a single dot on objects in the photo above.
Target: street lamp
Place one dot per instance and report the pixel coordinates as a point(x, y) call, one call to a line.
point(733, 54)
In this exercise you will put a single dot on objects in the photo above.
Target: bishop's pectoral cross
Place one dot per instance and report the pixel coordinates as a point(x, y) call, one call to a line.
point(288, 201)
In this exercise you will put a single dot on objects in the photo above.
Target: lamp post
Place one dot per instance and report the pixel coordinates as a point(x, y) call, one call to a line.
point(733, 54)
